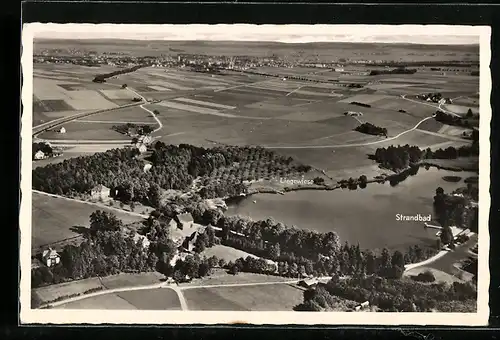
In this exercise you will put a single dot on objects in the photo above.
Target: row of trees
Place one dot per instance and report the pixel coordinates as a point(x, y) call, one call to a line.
point(101, 78)
point(399, 70)
point(391, 295)
point(360, 104)
point(371, 129)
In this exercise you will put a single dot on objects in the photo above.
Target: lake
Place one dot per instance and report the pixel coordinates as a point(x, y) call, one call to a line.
point(367, 216)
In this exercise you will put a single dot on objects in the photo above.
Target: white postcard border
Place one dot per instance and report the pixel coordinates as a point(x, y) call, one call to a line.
point(50, 316)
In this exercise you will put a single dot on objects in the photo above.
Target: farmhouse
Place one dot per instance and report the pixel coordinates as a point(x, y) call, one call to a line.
point(353, 113)
point(184, 221)
point(99, 192)
point(308, 283)
point(39, 155)
point(50, 257)
point(62, 130)
point(190, 241)
point(141, 147)
point(145, 241)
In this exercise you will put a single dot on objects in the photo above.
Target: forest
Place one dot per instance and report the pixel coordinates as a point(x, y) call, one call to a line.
point(220, 170)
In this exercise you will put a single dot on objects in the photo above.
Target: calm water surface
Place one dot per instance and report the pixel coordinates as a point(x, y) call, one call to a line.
point(367, 216)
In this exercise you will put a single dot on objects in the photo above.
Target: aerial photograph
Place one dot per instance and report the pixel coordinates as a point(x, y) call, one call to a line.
point(223, 173)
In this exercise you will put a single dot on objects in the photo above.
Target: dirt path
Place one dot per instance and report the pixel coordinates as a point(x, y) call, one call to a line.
point(160, 125)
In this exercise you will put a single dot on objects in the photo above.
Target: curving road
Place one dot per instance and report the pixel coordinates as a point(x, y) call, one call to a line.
point(160, 125)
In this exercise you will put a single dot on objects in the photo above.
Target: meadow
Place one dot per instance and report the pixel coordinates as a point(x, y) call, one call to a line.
point(57, 219)
point(268, 297)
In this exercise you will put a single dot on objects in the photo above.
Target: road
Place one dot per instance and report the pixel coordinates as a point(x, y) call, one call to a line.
point(160, 125)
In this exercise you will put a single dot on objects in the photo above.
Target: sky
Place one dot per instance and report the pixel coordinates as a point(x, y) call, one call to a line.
point(416, 34)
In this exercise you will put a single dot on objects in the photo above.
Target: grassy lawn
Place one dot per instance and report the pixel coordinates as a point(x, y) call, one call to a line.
point(220, 276)
point(152, 299)
point(128, 114)
point(53, 219)
point(438, 274)
point(102, 302)
point(80, 131)
point(131, 280)
point(462, 163)
point(276, 297)
point(226, 253)
point(52, 292)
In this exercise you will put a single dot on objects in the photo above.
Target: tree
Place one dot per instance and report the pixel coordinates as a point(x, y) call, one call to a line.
point(469, 113)
point(275, 251)
point(233, 269)
point(156, 112)
point(124, 86)
point(398, 259)
point(446, 236)
point(104, 221)
point(132, 206)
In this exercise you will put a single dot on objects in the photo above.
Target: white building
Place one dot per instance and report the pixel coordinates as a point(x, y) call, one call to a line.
point(39, 155)
point(100, 191)
point(50, 257)
point(62, 130)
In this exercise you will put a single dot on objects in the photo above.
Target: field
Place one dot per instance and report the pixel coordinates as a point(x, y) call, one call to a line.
point(130, 280)
point(68, 89)
point(270, 297)
point(52, 292)
point(56, 219)
point(226, 253)
point(144, 299)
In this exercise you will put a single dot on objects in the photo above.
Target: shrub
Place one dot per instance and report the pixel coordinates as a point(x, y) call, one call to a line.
point(426, 276)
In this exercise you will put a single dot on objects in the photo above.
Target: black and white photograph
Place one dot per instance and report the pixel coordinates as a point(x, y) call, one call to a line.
point(265, 174)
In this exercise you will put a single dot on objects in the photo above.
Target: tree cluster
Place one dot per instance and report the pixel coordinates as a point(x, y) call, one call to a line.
point(449, 119)
point(454, 210)
point(107, 249)
point(41, 146)
point(399, 70)
point(398, 157)
point(133, 129)
point(101, 78)
point(371, 129)
point(390, 295)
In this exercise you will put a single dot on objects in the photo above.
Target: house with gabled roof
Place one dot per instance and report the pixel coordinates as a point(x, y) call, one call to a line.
point(50, 257)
